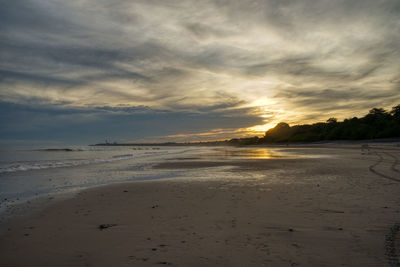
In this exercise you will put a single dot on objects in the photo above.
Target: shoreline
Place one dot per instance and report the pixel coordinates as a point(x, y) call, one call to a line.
point(281, 212)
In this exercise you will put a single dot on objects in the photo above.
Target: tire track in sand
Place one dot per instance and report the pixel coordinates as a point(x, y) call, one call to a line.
point(372, 168)
point(395, 163)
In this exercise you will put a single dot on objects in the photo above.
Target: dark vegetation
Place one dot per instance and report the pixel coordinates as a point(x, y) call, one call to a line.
point(378, 123)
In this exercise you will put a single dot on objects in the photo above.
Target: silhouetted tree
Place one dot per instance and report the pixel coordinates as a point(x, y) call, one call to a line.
point(332, 120)
point(378, 123)
point(396, 112)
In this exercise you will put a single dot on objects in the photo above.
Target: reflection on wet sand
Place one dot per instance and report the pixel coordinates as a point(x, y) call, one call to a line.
point(256, 158)
point(246, 153)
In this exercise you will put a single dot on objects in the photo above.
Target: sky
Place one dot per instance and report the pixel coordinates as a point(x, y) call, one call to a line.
point(83, 71)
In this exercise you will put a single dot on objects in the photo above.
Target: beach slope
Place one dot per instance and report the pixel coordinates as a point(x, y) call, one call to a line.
point(339, 209)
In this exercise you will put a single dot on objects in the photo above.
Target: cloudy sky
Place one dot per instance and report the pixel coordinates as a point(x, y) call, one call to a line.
point(147, 70)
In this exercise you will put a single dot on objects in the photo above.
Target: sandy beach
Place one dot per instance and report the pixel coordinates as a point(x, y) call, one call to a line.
point(335, 206)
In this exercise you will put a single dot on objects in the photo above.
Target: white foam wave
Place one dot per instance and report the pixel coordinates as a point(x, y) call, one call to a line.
point(60, 164)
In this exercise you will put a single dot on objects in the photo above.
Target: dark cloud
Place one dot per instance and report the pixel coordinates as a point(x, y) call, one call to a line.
point(159, 60)
point(14, 76)
point(204, 31)
point(305, 69)
point(335, 95)
point(32, 17)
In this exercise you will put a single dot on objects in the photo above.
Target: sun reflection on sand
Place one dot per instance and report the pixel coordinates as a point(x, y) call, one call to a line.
point(245, 153)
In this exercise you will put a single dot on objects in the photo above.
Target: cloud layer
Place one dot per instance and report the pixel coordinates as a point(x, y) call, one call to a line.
point(265, 61)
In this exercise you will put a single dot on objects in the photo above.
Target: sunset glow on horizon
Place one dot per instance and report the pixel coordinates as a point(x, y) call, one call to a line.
point(191, 71)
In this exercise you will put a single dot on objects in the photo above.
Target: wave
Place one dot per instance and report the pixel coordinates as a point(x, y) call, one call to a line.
point(80, 149)
point(67, 149)
point(59, 149)
point(60, 164)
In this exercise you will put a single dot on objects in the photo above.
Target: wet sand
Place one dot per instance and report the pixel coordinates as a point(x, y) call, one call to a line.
point(340, 209)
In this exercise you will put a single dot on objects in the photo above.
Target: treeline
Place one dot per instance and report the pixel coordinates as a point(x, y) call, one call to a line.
point(378, 123)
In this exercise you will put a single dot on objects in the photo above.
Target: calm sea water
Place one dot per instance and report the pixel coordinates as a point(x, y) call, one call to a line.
point(29, 172)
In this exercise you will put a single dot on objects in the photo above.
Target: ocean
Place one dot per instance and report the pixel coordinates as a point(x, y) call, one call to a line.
point(31, 172)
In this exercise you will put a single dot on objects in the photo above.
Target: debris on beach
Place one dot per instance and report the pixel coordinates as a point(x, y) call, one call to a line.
point(164, 263)
point(106, 225)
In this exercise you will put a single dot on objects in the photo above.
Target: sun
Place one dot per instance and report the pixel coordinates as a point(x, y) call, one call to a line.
point(262, 128)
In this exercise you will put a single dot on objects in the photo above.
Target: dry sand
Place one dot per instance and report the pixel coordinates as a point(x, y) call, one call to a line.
point(341, 210)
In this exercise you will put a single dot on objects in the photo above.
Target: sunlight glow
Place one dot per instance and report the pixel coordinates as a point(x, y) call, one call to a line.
point(261, 129)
